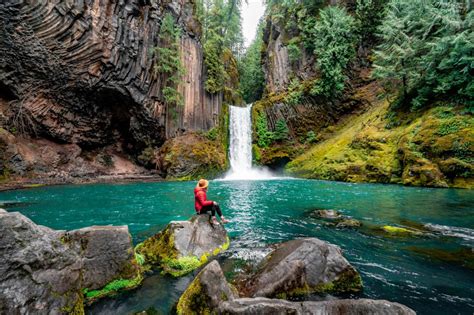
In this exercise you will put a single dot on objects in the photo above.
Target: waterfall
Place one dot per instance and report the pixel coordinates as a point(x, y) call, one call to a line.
point(240, 146)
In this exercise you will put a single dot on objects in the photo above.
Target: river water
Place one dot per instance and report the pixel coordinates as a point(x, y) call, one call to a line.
point(431, 273)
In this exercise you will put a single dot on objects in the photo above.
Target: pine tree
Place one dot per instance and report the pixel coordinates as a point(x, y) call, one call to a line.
point(334, 46)
point(169, 60)
point(281, 130)
point(428, 47)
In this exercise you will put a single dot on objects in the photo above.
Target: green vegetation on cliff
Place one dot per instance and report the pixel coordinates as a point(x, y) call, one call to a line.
point(417, 130)
point(222, 40)
point(426, 51)
point(430, 148)
point(169, 62)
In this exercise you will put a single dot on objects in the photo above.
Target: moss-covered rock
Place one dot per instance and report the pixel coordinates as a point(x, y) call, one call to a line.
point(431, 148)
point(53, 269)
point(396, 230)
point(183, 246)
point(206, 292)
point(192, 156)
point(303, 266)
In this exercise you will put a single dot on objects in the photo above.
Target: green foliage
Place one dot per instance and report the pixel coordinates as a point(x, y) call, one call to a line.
point(334, 44)
point(295, 92)
point(252, 79)
point(169, 60)
point(369, 15)
point(264, 136)
point(212, 134)
point(221, 23)
point(281, 130)
point(294, 52)
point(427, 46)
point(310, 137)
point(450, 126)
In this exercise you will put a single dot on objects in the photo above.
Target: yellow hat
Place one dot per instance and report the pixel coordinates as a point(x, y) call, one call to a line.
point(203, 183)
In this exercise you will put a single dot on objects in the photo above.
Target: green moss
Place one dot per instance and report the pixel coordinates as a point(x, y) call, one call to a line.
point(113, 287)
point(417, 150)
point(159, 250)
point(348, 282)
point(399, 230)
point(140, 259)
point(178, 267)
point(193, 301)
point(77, 308)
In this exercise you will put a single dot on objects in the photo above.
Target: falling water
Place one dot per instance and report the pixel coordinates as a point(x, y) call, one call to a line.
point(240, 148)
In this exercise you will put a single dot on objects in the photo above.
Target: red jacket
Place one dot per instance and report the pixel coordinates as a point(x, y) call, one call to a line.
point(200, 199)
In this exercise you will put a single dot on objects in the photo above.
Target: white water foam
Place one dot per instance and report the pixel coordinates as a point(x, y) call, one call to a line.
point(240, 147)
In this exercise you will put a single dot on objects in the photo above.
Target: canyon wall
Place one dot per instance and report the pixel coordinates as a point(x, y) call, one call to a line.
point(83, 73)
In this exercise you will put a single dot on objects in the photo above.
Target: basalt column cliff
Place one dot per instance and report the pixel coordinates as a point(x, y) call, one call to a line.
point(80, 93)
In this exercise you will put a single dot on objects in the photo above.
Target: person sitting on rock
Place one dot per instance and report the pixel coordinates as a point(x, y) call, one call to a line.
point(203, 206)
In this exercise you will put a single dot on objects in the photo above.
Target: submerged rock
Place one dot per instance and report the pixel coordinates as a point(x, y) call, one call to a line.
point(184, 245)
point(206, 292)
point(339, 307)
point(303, 266)
point(326, 214)
point(348, 223)
point(396, 230)
point(44, 271)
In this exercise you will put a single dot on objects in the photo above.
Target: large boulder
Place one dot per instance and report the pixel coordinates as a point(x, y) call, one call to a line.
point(263, 306)
point(303, 266)
point(207, 291)
point(45, 271)
point(184, 245)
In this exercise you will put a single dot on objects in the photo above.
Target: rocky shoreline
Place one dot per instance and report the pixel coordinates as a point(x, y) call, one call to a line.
point(24, 183)
point(46, 271)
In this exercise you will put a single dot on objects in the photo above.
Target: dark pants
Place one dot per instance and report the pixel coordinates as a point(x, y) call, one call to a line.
point(212, 209)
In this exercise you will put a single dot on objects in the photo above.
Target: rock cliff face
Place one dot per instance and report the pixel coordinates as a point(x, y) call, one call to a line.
point(357, 136)
point(83, 73)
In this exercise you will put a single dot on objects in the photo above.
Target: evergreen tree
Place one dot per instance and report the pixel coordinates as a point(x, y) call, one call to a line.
point(281, 130)
point(334, 46)
point(428, 47)
point(221, 31)
point(169, 60)
point(252, 79)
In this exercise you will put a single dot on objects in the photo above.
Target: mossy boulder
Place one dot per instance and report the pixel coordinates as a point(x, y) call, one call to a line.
point(206, 292)
point(303, 266)
point(190, 156)
point(45, 271)
point(183, 246)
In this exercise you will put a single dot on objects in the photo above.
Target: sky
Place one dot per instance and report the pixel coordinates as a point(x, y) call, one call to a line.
point(251, 13)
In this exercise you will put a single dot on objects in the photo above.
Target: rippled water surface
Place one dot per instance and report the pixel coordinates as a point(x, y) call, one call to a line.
point(432, 274)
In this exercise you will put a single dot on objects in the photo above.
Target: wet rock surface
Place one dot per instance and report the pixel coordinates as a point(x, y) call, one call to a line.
point(210, 293)
point(335, 307)
point(207, 291)
point(184, 245)
point(326, 214)
point(303, 266)
point(43, 271)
